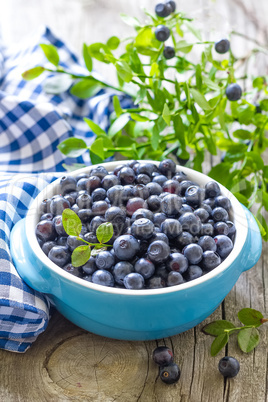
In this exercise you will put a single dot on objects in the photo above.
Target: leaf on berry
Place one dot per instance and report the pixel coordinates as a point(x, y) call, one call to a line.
point(216, 328)
point(51, 53)
point(105, 232)
point(248, 339)
point(249, 316)
point(73, 147)
point(71, 222)
point(219, 343)
point(33, 73)
point(81, 255)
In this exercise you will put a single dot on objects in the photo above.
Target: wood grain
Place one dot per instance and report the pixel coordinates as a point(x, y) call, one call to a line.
point(67, 363)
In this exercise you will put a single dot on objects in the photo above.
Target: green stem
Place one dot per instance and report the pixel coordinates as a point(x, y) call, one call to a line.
point(160, 78)
point(93, 244)
point(238, 328)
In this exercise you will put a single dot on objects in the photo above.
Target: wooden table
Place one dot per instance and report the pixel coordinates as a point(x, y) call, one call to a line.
point(67, 363)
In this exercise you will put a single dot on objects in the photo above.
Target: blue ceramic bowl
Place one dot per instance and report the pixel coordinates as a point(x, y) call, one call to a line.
point(137, 314)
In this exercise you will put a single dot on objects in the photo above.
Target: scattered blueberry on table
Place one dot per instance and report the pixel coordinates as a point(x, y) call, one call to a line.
point(167, 230)
point(229, 367)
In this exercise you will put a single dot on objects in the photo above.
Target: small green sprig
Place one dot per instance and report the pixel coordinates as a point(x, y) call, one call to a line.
point(73, 226)
point(248, 336)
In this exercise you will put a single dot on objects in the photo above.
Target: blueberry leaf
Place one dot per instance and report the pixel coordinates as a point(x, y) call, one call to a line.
point(86, 88)
point(94, 127)
point(71, 222)
point(219, 343)
point(80, 255)
point(200, 99)
point(113, 42)
point(123, 70)
point(105, 232)
point(117, 107)
point(249, 316)
point(33, 73)
point(72, 147)
point(216, 328)
point(118, 124)
point(248, 339)
point(87, 58)
point(51, 53)
point(97, 148)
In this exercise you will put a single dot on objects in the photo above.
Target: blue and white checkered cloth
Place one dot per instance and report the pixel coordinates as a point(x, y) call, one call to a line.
point(32, 124)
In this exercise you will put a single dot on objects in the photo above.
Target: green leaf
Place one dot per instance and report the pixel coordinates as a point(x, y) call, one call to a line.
point(249, 316)
point(192, 29)
point(32, 73)
point(209, 83)
point(200, 99)
point(95, 159)
point(72, 147)
point(101, 52)
point(97, 148)
point(261, 221)
point(241, 198)
point(264, 105)
point(243, 134)
point(132, 21)
point(138, 117)
point(220, 172)
point(166, 114)
point(113, 42)
point(198, 77)
point(118, 124)
point(145, 42)
point(219, 343)
point(246, 113)
point(86, 88)
point(80, 255)
point(217, 327)
point(97, 249)
point(94, 127)
point(123, 70)
point(57, 84)
point(184, 46)
point(155, 137)
point(105, 232)
point(258, 82)
point(51, 53)
point(87, 58)
point(71, 222)
point(117, 107)
point(179, 130)
point(248, 339)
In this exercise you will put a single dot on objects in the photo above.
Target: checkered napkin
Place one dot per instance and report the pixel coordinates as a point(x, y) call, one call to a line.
point(32, 124)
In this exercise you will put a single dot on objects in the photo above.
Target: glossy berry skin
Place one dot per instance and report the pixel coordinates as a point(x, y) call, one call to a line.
point(210, 260)
point(172, 4)
point(232, 230)
point(202, 213)
point(143, 179)
point(154, 188)
point(47, 246)
point(126, 175)
point(158, 236)
point(60, 255)
point(85, 214)
point(104, 260)
point(223, 202)
point(120, 270)
point(98, 171)
point(58, 204)
point(162, 356)
point(67, 184)
point(99, 208)
point(146, 168)
point(212, 189)
point(84, 201)
point(171, 186)
point(142, 228)
point(229, 367)
point(167, 167)
point(170, 374)
point(45, 230)
point(156, 282)
point(98, 195)
point(144, 267)
point(91, 183)
point(90, 266)
point(126, 247)
point(174, 278)
point(193, 196)
point(162, 10)
point(224, 245)
point(169, 52)
point(158, 251)
point(219, 214)
point(172, 228)
point(171, 204)
point(233, 92)
point(222, 46)
point(221, 228)
point(103, 277)
point(207, 229)
point(184, 239)
point(141, 190)
point(109, 181)
point(193, 272)
point(177, 262)
point(134, 281)
point(115, 195)
point(142, 213)
point(193, 253)
point(207, 243)
point(72, 243)
point(133, 204)
point(73, 270)
point(160, 179)
point(190, 223)
point(162, 33)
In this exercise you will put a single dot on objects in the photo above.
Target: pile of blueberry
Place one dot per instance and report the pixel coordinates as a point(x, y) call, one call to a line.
point(167, 229)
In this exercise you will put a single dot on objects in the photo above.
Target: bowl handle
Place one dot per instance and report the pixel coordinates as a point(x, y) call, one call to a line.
point(253, 245)
point(25, 267)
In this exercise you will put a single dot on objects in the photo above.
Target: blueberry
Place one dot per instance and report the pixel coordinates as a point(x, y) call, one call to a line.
point(224, 245)
point(171, 204)
point(120, 270)
point(177, 262)
point(190, 223)
point(58, 204)
point(45, 231)
point(162, 356)
point(115, 215)
point(172, 4)
point(141, 190)
point(193, 196)
point(171, 186)
point(60, 255)
point(127, 193)
point(142, 213)
point(99, 208)
point(156, 282)
point(163, 10)
point(193, 272)
point(98, 171)
point(222, 201)
point(109, 181)
point(118, 168)
point(159, 236)
point(210, 260)
point(172, 228)
point(59, 226)
point(133, 204)
point(91, 237)
point(167, 167)
point(91, 183)
point(126, 247)
point(222, 46)
point(158, 251)
point(47, 246)
point(169, 52)
point(208, 201)
point(45, 206)
point(73, 270)
point(98, 195)
point(132, 163)
point(219, 214)
point(160, 179)
point(143, 179)
point(142, 228)
point(207, 207)
point(212, 189)
point(221, 228)
point(193, 253)
point(103, 277)
point(232, 230)
point(185, 208)
point(75, 208)
point(154, 203)
point(159, 218)
point(174, 278)
point(233, 92)
point(179, 177)
point(67, 184)
point(161, 271)
point(207, 243)
point(85, 215)
point(202, 213)
point(95, 223)
point(81, 176)
point(104, 260)
point(184, 239)
point(71, 198)
point(229, 366)
point(127, 175)
point(90, 266)
point(46, 217)
point(146, 168)
point(144, 267)
point(134, 281)
point(154, 188)
point(72, 242)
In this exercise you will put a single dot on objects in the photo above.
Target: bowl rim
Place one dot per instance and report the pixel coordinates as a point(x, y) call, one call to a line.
point(239, 218)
